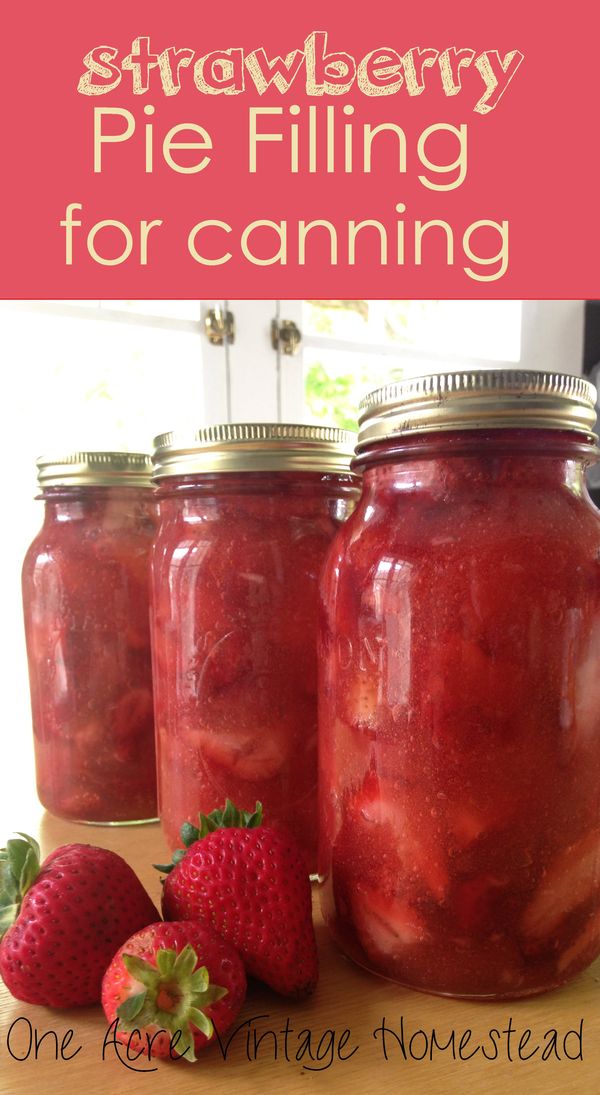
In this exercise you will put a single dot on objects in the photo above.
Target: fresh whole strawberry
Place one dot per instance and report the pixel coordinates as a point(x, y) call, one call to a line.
point(250, 883)
point(170, 986)
point(61, 923)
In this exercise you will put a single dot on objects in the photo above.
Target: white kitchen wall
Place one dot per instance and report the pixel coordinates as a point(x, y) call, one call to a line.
point(552, 335)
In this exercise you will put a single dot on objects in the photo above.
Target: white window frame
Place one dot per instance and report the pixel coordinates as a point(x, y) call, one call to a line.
point(249, 380)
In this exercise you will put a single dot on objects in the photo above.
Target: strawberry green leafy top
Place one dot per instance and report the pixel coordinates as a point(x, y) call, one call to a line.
point(227, 818)
point(19, 868)
point(172, 995)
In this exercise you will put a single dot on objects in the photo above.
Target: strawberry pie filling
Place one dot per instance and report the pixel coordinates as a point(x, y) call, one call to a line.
point(236, 566)
point(460, 716)
point(85, 591)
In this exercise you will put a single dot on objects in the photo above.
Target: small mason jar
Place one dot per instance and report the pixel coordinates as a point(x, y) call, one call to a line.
point(85, 598)
point(460, 689)
point(246, 514)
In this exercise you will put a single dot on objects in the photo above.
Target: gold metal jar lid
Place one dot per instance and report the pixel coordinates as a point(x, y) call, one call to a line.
point(254, 446)
point(95, 469)
point(483, 400)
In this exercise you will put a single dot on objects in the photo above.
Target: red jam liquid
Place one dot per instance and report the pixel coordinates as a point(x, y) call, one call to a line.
point(236, 566)
point(460, 716)
point(85, 592)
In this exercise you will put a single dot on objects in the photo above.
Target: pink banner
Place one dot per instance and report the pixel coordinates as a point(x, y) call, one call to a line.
point(209, 151)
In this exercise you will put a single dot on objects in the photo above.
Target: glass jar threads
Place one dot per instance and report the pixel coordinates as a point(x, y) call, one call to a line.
point(246, 514)
point(85, 597)
point(460, 689)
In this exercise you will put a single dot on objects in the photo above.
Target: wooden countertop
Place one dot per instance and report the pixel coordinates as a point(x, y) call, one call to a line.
point(347, 999)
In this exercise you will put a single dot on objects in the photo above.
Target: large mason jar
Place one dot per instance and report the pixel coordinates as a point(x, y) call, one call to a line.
point(246, 514)
point(86, 605)
point(460, 689)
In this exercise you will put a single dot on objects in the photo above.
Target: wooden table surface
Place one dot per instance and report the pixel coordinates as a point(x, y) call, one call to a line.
point(347, 998)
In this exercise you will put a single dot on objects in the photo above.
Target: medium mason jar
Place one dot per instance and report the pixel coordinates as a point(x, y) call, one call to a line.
point(246, 514)
point(460, 689)
point(86, 605)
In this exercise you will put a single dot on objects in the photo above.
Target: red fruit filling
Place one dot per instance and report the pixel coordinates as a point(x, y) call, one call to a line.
point(85, 590)
point(460, 720)
point(235, 576)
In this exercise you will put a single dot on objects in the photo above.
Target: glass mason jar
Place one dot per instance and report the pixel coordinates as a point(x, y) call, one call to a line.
point(246, 514)
point(86, 605)
point(460, 689)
